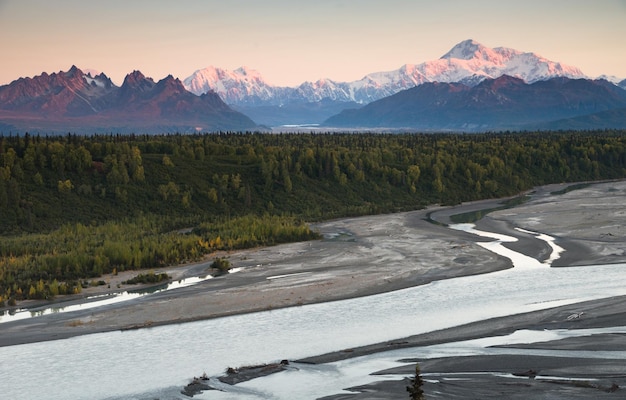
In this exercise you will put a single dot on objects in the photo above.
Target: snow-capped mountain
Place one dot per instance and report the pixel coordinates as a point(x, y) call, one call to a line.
point(241, 86)
point(471, 60)
point(468, 62)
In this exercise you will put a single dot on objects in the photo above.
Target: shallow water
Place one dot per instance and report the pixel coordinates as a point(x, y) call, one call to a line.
point(312, 381)
point(101, 300)
point(158, 362)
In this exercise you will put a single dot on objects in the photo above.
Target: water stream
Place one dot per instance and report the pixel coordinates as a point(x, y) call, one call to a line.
point(158, 362)
point(105, 299)
point(305, 381)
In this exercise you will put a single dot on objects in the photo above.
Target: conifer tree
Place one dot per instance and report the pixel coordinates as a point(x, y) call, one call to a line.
point(415, 389)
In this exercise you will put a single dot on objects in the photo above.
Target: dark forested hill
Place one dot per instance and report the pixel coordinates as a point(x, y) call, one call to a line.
point(611, 119)
point(47, 181)
point(494, 104)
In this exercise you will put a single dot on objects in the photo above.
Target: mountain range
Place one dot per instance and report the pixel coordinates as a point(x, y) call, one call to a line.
point(471, 87)
point(75, 101)
point(469, 62)
point(504, 103)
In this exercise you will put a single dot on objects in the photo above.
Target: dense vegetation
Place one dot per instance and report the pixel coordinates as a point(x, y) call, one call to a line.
point(75, 207)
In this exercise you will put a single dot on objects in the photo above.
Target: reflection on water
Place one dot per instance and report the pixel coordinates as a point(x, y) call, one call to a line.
point(105, 299)
point(519, 260)
point(100, 300)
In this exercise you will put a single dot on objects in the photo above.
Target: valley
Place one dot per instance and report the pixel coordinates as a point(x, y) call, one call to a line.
point(325, 200)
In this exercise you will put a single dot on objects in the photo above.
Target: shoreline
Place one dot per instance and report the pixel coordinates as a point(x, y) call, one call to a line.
point(347, 264)
point(580, 227)
point(281, 276)
point(521, 374)
point(551, 318)
point(376, 254)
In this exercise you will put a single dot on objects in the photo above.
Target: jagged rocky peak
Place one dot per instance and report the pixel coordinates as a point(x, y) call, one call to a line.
point(94, 103)
point(105, 79)
point(74, 76)
point(171, 83)
point(73, 71)
point(98, 80)
point(137, 80)
point(134, 77)
point(169, 78)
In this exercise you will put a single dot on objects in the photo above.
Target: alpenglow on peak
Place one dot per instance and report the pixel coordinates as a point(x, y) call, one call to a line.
point(468, 62)
point(467, 50)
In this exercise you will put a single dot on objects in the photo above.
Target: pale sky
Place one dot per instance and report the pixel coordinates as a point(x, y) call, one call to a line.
point(290, 41)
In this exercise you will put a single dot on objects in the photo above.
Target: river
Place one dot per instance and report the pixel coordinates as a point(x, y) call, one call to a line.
point(158, 362)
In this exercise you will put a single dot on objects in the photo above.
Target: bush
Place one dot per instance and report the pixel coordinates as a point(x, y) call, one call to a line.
point(222, 265)
point(150, 277)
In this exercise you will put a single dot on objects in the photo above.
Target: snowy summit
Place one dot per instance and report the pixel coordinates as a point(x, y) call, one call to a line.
point(468, 62)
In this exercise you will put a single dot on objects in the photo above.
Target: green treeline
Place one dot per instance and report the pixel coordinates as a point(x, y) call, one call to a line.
point(43, 265)
point(75, 207)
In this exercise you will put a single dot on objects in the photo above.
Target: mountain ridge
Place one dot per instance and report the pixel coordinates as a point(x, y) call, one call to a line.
point(73, 100)
point(469, 62)
point(504, 103)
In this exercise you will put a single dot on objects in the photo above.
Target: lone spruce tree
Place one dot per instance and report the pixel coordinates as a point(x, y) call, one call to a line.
point(415, 389)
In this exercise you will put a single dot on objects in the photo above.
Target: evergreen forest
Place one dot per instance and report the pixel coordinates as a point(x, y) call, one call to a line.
point(75, 207)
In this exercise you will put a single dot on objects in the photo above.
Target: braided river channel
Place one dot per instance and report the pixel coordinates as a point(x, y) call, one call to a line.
point(157, 363)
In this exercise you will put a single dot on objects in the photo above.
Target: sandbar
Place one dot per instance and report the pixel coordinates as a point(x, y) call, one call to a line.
point(374, 254)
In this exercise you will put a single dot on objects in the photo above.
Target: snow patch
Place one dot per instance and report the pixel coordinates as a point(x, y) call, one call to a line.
point(92, 81)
